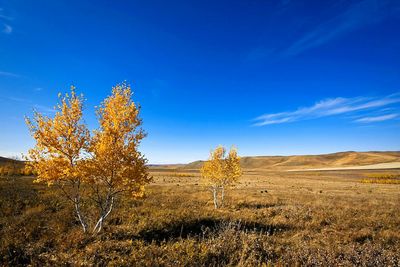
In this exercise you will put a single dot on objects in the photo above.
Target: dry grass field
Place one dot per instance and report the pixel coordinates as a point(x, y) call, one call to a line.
point(322, 218)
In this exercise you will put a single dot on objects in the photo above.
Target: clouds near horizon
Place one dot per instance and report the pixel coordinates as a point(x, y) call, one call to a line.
point(378, 118)
point(336, 106)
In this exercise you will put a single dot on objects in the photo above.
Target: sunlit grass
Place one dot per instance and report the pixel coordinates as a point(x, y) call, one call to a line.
point(277, 219)
point(381, 178)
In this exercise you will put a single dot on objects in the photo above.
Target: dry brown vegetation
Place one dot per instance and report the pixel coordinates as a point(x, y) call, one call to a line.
point(284, 218)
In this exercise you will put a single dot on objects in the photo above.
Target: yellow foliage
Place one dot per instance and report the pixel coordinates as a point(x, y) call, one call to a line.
point(60, 142)
point(116, 160)
point(221, 169)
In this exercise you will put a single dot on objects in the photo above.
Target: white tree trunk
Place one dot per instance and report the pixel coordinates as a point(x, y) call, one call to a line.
point(103, 216)
point(78, 213)
point(215, 196)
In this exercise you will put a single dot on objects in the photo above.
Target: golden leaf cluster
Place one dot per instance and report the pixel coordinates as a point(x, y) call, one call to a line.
point(60, 141)
point(222, 169)
point(116, 159)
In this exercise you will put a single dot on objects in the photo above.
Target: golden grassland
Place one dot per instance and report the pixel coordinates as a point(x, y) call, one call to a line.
point(381, 178)
point(271, 218)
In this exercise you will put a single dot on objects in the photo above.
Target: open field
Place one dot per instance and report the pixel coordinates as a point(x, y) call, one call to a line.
point(272, 217)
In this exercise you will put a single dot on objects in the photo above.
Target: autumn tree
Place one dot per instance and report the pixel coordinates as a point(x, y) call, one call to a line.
point(221, 171)
point(97, 166)
point(61, 143)
point(117, 165)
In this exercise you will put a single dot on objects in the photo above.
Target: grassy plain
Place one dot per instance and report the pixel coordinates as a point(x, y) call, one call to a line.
point(271, 218)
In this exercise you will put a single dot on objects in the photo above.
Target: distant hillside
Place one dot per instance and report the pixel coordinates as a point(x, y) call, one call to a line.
point(341, 159)
point(12, 167)
point(5, 161)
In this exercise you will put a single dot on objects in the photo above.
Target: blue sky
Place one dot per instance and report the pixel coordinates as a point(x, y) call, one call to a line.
point(272, 77)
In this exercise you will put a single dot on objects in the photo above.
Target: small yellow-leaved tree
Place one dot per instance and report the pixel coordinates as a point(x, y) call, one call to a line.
point(98, 166)
point(61, 143)
point(117, 165)
point(221, 171)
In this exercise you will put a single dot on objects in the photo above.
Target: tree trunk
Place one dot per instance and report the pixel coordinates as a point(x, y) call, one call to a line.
point(215, 196)
point(78, 213)
point(103, 216)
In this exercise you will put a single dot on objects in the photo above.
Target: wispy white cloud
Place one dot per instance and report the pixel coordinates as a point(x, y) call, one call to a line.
point(356, 16)
point(28, 102)
point(329, 107)
point(9, 74)
point(44, 109)
point(7, 29)
point(18, 99)
point(377, 118)
point(4, 17)
point(5, 20)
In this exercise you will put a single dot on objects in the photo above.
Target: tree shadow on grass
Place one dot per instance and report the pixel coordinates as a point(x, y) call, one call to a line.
point(256, 206)
point(204, 228)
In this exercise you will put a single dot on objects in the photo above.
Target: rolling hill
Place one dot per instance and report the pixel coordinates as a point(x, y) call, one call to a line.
point(334, 160)
point(6, 161)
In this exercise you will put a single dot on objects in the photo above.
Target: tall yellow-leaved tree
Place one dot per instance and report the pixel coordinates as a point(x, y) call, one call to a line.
point(221, 171)
point(61, 143)
point(117, 165)
point(94, 167)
